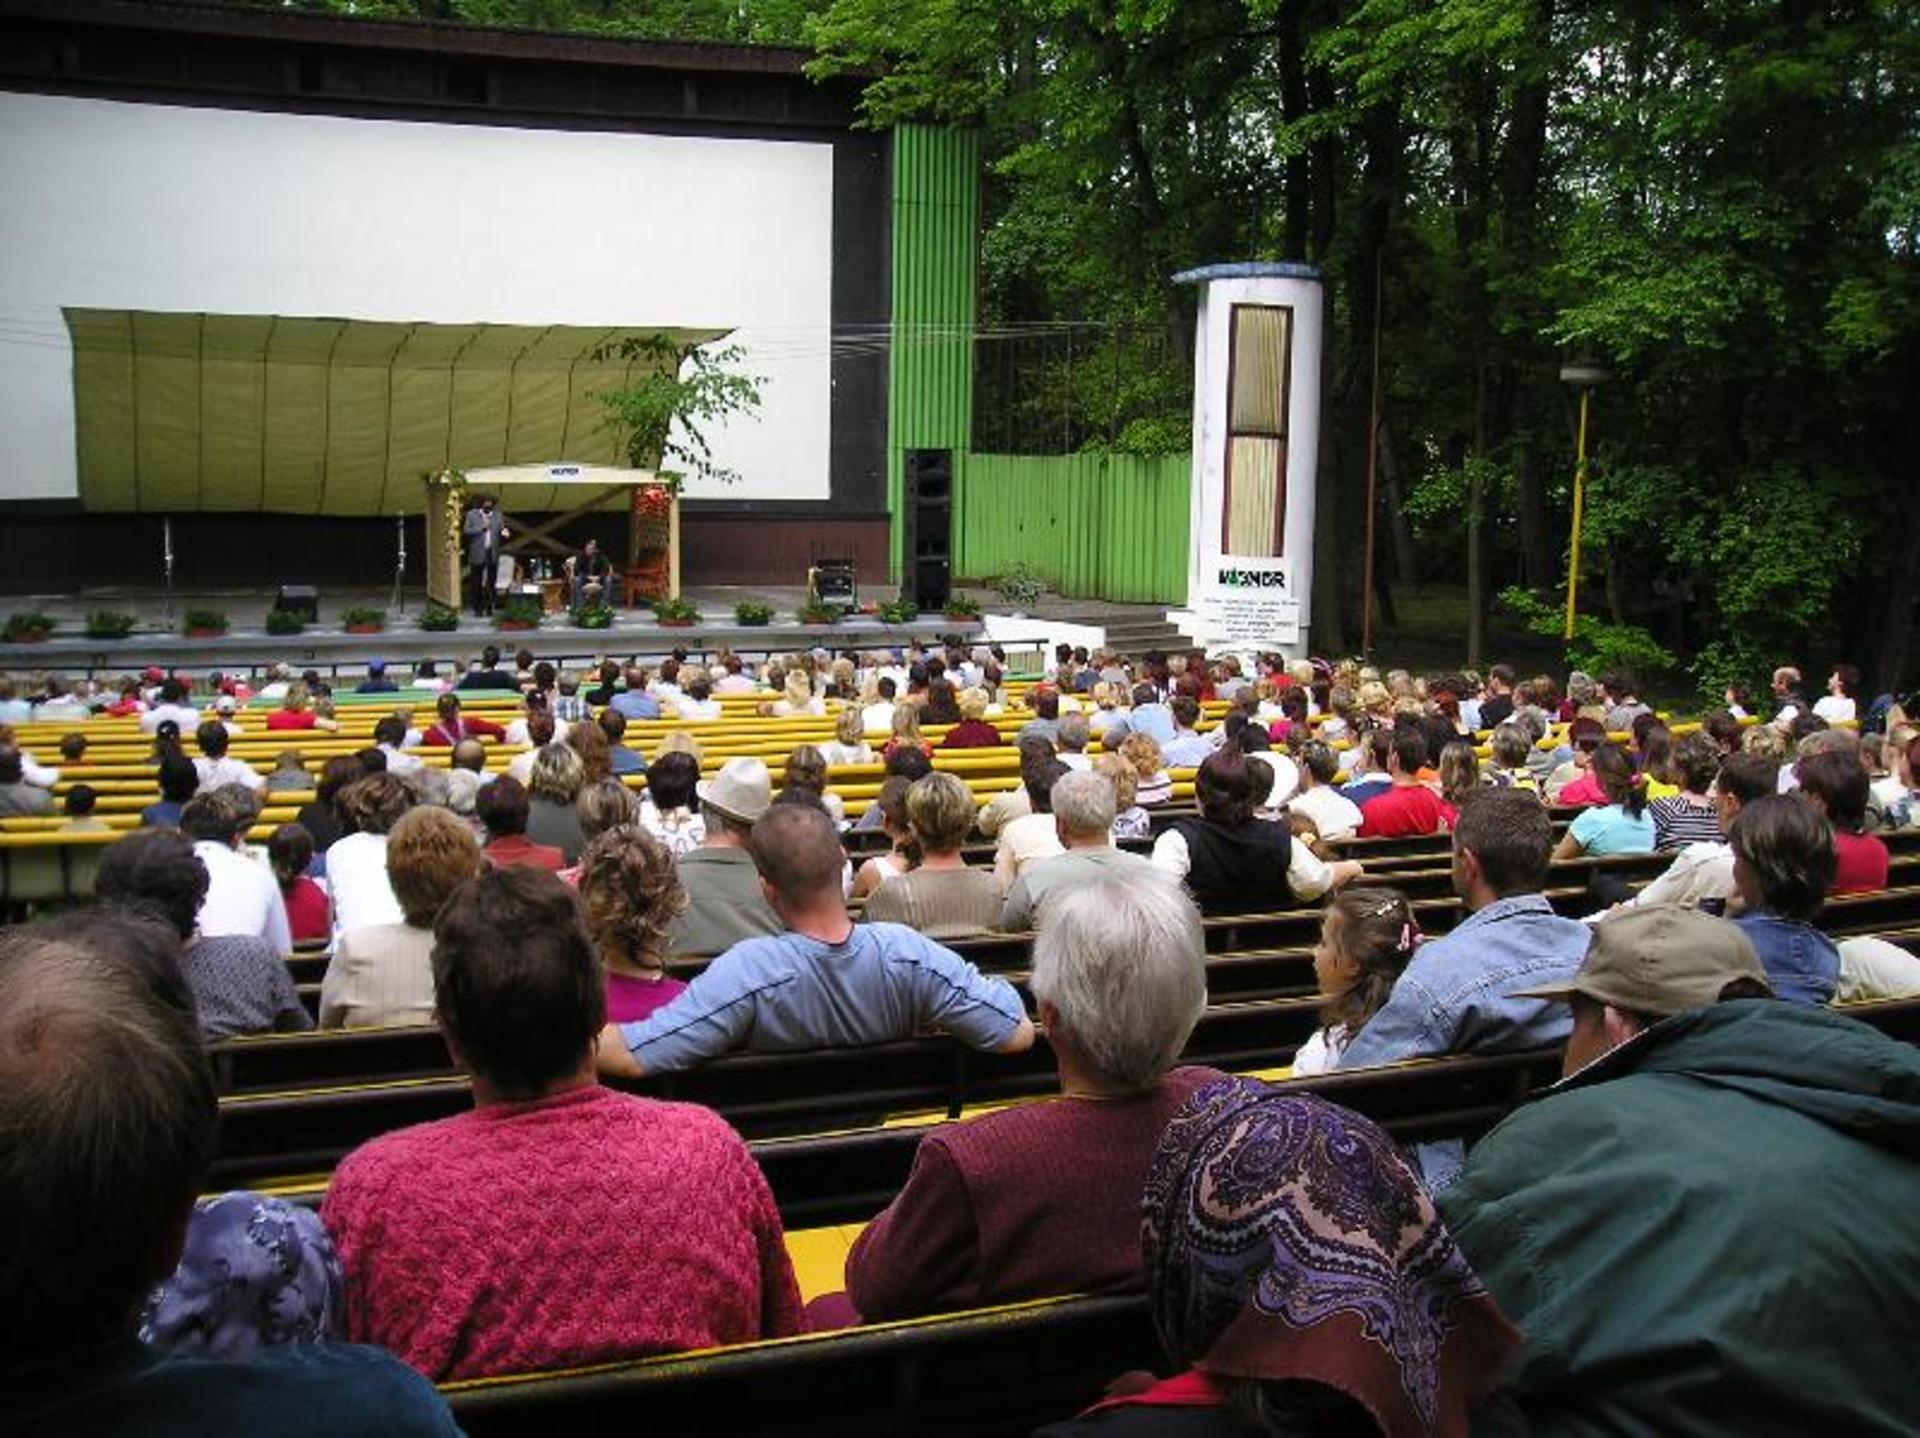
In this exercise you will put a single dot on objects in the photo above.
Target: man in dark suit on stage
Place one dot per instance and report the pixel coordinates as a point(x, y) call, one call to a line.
point(483, 527)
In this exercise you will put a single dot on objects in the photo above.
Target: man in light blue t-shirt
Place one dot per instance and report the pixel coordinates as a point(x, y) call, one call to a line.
point(825, 982)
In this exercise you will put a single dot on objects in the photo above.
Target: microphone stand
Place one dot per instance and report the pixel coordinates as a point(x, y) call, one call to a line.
point(166, 560)
point(399, 605)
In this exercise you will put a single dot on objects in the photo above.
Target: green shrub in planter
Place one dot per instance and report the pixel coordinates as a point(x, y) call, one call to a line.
point(900, 610)
point(440, 619)
point(592, 616)
point(204, 621)
point(753, 612)
point(28, 628)
point(958, 606)
point(520, 611)
point(284, 621)
point(677, 612)
point(1019, 586)
point(818, 614)
point(106, 624)
point(363, 620)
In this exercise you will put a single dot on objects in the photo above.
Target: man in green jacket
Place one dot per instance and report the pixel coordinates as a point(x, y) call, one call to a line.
point(1710, 1226)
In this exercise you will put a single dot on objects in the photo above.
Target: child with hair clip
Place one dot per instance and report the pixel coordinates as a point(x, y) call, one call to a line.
point(1366, 939)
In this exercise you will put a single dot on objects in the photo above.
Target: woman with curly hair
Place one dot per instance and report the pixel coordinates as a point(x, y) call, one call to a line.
point(1153, 784)
point(631, 893)
point(590, 742)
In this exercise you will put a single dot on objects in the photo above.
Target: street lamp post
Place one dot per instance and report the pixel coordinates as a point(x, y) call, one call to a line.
point(1585, 376)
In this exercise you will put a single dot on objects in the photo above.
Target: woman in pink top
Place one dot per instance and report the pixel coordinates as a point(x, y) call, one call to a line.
point(528, 1234)
point(631, 891)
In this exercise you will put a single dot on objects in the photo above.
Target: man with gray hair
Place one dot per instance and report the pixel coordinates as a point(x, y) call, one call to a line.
point(107, 1105)
point(1044, 1198)
point(1071, 741)
point(1083, 809)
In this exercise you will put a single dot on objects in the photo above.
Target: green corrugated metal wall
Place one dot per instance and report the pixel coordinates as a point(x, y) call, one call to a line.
point(1105, 526)
point(936, 227)
point(1092, 525)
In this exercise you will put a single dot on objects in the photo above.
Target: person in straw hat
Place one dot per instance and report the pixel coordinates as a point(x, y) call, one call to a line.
point(724, 899)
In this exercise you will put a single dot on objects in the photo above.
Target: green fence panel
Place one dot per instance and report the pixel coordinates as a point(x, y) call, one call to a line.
point(1099, 526)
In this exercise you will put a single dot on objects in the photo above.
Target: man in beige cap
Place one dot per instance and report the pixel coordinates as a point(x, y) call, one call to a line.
point(1707, 1226)
point(725, 903)
point(1645, 965)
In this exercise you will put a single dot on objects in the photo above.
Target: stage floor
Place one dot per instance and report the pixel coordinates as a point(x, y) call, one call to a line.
point(326, 647)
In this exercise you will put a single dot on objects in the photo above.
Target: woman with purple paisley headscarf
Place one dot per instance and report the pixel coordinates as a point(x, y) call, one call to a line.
point(1299, 1274)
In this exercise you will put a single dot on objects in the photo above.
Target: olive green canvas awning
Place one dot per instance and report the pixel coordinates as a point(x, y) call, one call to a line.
point(286, 415)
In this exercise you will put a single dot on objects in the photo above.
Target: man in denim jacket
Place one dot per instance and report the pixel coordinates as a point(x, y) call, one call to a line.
point(1456, 995)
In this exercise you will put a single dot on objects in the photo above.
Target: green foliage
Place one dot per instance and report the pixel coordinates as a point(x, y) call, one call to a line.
point(362, 615)
point(899, 610)
point(208, 621)
point(814, 612)
point(680, 611)
point(439, 618)
point(1019, 586)
point(26, 626)
point(285, 621)
point(753, 613)
point(958, 606)
point(109, 624)
point(592, 616)
point(519, 609)
point(1597, 646)
point(674, 392)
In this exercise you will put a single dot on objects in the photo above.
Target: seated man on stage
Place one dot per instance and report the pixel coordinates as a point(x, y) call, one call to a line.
point(592, 574)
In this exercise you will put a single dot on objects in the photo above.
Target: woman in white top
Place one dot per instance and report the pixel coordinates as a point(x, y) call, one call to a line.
point(1839, 705)
point(1366, 939)
point(849, 744)
point(357, 865)
point(899, 859)
point(1025, 841)
point(666, 812)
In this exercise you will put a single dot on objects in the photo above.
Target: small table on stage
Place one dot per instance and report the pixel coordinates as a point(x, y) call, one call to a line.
point(553, 595)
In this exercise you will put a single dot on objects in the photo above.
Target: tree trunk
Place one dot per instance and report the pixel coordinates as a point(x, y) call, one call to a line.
point(1476, 566)
point(1405, 566)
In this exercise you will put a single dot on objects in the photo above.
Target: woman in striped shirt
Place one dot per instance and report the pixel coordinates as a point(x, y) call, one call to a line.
point(1690, 816)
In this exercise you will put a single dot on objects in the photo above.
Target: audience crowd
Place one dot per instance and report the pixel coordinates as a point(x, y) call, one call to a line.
point(1649, 1247)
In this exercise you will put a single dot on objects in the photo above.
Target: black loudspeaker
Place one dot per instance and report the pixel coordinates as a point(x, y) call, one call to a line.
point(927, 531)
point(932, 584)
point(301, 599)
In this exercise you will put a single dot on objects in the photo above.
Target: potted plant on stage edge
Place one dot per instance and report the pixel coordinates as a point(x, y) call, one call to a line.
point(675, 613)
point(961, 609)
point(901, 610)
point(439, 618)
point(204, 623)
point(752, 613)
point(106, 624)
point(520, 611)
point(284, 621)
point(592, 616)
point(364, 621)
point(29, 628)
point(814, 612)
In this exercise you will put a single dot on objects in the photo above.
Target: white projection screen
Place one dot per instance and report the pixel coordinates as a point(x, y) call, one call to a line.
point(119, 206)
